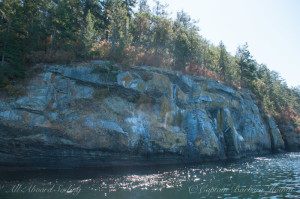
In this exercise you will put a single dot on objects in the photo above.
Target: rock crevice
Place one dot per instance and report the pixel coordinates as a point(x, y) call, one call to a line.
point(86, 116)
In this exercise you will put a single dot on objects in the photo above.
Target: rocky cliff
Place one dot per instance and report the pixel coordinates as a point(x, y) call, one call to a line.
point(98, 115)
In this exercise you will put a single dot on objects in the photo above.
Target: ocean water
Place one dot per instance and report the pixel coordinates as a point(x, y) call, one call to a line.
point(272, 176)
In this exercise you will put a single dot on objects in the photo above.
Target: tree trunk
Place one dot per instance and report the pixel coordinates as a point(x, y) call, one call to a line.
point(53, 39)
point(5, 43)
point(191, 66)
point(81, 31)
point(165, 58)
point(174, 54)
point(242, 76)
point(39, 37)
point(174, 60)
point(112, 49)
point(169, 59)
point(199, 64)
point(204, 63)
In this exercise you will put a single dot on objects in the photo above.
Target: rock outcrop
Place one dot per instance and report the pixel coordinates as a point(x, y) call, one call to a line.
point(96, 115)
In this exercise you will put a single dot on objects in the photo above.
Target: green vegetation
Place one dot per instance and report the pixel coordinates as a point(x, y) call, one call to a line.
point(63, 31)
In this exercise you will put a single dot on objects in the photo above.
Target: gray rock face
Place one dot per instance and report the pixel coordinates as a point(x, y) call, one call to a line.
point(93, 115)
point(290, 137)
point(276, 138)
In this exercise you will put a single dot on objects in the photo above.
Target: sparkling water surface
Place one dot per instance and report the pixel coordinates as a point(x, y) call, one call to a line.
point(272, 176)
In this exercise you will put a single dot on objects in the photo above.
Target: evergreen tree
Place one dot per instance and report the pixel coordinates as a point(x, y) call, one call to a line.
point(224, 61)
point(12, 36)
point(182, 43)
point(140, 28)
point(247, 66)
point(118, 28)
point(194, 43)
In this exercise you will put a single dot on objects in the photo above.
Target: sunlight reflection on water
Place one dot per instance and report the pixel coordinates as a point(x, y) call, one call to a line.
point(270, 176)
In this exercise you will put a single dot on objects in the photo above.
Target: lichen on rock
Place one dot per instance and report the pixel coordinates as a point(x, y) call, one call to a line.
point(85, 115)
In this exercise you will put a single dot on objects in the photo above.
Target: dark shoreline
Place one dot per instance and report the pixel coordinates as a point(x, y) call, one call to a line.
point(145, 164)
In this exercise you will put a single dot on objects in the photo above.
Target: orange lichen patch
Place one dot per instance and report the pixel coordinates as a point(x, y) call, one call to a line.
point(167, 139)
point(52, 78)
point(104, 141)
point(165, 107)
point(206, 145)
point(127, 79)
point(26, 117)
point(123, 140)
point(49, 105)
point(100, 94)
point(161, 83)
point(48, 124)
point(181, 96)
point(107, 141)
point(144, 103)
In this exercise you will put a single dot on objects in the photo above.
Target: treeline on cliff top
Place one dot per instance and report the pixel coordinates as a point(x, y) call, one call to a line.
point(130, 33)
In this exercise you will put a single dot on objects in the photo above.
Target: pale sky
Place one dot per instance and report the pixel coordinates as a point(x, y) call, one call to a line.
point(271, 28)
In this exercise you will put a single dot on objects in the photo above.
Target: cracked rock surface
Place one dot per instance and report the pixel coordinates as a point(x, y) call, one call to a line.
point(100, 116)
